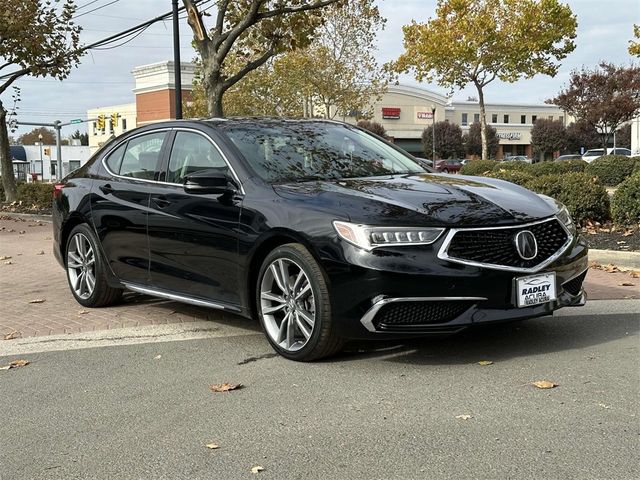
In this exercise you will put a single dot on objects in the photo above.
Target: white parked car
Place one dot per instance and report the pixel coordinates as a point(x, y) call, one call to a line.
point(590, 155)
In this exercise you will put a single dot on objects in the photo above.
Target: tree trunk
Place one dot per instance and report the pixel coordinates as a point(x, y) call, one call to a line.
point(483, 123)
point(214, 101)
point(8, 179)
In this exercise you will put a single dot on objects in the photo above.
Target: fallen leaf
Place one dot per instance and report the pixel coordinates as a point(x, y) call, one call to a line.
point(5, 257)
point(257, 469)
point(8, 263)
point(544, 384)
point(627, 284)
point(212, 446)
point(157, 357)
point(41, 252)
point(485, 362)
point(225, 387)
point(12, 335)
point(22, 232)
point(37, 300)
point(463, 417)
point(604, 406)
point(634, 274)
point(15, 364)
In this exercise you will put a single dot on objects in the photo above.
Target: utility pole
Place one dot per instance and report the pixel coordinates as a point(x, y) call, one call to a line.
point(433, 138)
point(177, 74)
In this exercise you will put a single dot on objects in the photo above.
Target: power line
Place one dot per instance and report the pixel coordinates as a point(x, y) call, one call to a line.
point(86, 5)
point(95, 9)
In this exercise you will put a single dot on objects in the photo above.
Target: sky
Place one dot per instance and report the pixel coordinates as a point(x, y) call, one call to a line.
point(104, 77)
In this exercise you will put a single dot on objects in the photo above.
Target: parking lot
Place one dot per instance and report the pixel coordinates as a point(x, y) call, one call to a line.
point(420, 409)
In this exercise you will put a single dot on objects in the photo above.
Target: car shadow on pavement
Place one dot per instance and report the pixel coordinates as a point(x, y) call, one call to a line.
point(500, 342)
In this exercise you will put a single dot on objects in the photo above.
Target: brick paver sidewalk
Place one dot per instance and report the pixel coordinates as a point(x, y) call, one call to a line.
point(32, 273)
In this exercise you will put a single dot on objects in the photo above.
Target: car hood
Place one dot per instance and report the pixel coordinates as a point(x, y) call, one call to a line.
point(430, 199)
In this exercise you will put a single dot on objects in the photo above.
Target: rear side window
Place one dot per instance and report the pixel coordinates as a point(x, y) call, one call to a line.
point(114, 160)
point(141, 156)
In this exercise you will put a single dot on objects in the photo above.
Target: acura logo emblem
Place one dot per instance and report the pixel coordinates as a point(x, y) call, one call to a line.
point(526, 245)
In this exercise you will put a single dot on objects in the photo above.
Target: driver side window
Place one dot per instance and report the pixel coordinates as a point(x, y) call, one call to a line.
point(192, 152)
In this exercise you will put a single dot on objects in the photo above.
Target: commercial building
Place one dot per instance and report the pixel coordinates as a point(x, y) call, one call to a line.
point(406, 111)
point(154, 92)
point(40, 162)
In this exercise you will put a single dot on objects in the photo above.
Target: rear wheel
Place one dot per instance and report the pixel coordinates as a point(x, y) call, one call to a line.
point(86, 270)
point(294, 306)
point(445, 170)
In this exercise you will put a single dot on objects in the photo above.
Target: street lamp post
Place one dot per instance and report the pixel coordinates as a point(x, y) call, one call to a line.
point(41, 162)
point(433, 132)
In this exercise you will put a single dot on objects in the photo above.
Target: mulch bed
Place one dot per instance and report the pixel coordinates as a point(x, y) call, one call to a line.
point(19, 207)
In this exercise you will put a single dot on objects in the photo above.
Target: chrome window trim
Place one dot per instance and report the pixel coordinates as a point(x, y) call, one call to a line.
point(169, 129)
point(444, 255)
point(367, 319)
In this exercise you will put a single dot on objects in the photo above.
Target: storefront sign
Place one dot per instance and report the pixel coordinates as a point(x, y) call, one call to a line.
point(509, 136)
point(425, 115)
point(390, 113)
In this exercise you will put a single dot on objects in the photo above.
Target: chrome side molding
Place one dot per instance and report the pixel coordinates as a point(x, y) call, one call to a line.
point(181, 298)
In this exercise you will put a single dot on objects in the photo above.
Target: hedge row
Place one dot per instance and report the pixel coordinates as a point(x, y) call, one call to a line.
point(612, 169)
point(38, 195)
point(625, 204)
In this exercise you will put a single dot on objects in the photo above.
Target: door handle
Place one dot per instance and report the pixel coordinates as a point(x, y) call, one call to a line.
point(106, 189)
point(161, 201)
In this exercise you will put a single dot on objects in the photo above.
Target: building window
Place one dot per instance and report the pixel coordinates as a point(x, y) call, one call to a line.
point(534, 118)
point(465, 121)
point(124, 124)
point(550, 117)
point(506, 119)
point(476, 118)
point(561, 118)
point(494, 118)
point(523, 119)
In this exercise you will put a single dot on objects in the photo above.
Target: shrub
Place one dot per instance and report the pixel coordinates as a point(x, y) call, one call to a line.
point(558, 168)
point(1, 191)
point(584, 196)
point(517, 165)
point(625, 204)
point(611, 169)
point(36, 194)
point(636, 167)
point(478, 167)
point(513, 176)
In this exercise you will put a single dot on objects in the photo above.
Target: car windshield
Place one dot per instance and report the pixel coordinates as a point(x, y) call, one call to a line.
point(592, 153)
point(301, 151)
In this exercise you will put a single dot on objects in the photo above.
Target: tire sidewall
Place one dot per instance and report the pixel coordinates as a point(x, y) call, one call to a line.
point(99, 265)
point(319, 286)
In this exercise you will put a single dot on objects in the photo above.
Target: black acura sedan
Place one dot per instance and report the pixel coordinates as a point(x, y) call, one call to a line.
point(322, 230)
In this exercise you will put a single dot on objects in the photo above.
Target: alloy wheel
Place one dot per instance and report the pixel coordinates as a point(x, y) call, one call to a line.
point(81, 265)
point(287, 303)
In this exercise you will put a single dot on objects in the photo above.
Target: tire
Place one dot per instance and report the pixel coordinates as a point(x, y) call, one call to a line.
point(84, 262)
point(445, 171)
point(291, 285)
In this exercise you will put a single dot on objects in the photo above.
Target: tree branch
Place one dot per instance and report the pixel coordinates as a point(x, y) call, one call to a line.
point(222, 10)
point(227, 39)
point(301, 8)
point(12, 77)
point(250, 66)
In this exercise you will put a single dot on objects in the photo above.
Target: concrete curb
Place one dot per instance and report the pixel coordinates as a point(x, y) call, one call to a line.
point(619, 259)
point(27, 216)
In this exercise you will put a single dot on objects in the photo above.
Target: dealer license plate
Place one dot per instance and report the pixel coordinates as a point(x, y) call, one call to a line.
point(536, 289)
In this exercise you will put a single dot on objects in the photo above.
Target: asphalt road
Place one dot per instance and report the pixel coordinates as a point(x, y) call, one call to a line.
point(376, 412)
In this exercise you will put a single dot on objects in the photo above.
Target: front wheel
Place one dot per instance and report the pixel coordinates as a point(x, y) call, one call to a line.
point(445, 171)
point(86, 271)
point(294, 306)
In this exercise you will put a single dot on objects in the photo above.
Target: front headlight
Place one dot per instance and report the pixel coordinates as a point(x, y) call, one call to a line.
point(368, 237)
point(565, 217)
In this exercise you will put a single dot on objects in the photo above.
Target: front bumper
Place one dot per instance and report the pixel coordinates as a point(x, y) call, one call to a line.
point(364, 290)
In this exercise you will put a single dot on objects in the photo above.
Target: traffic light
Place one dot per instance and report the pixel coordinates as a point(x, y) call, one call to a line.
point(114, 119)
point(47, 152)
point(101, 122)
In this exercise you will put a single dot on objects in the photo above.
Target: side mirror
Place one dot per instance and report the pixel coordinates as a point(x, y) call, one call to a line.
point(209, 182)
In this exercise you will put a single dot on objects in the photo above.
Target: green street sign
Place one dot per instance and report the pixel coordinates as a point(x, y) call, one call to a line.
point(76, 120)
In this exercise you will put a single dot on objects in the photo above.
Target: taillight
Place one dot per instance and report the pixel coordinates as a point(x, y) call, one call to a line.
point(57, 190)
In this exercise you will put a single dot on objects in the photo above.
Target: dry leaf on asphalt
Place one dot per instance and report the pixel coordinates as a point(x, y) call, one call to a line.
point(627, 284)
point(607, 407)
point(463, 417)
point(634, 274)
point(12, 335)
point(544, 384)
point(257, 469)
point(37, 300)
point(15, 364)
point(82, 312)
point(225, 387)
point(485, 362)
point(212, 446)
point(157, 357)
point(41, 252)
point(5, 257)
point(8, 263)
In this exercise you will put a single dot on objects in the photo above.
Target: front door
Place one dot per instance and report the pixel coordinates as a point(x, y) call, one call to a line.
point(193, 239)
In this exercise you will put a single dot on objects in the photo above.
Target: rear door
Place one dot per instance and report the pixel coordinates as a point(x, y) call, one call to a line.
point(193, 238)
point(120, 204)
